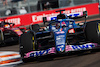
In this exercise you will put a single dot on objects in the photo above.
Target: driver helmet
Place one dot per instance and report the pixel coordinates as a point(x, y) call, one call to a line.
point(7, 26)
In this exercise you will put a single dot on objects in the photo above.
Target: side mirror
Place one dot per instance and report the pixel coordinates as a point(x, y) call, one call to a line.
point(81, 24)
point(85, 14)
point(44, 20)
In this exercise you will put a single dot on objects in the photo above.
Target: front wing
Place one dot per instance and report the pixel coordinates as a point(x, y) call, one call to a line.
point(68, 48)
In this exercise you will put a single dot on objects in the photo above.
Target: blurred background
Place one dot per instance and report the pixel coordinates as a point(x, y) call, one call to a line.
point(12, 7)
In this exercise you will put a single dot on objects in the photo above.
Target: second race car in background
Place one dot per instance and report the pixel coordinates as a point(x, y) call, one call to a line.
point(9, 33)
point(60, 36)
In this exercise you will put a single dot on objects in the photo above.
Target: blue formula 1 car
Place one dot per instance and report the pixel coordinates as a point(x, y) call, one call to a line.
point(60, 36)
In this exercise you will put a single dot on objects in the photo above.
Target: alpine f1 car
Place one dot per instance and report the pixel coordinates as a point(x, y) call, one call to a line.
point(8, 33)
point(61, 35)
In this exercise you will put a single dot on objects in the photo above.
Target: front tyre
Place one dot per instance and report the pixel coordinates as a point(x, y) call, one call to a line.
point(27, 44)
point(92, 31)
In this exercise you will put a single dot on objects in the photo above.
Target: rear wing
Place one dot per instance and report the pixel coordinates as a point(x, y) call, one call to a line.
point(48, 19)
point(71, 16)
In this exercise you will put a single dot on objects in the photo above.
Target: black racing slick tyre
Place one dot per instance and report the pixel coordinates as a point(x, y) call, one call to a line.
point(1, 36)
point(92, 31)
point(27, 44)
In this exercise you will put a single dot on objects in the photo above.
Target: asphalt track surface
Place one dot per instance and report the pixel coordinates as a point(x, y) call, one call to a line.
point(76, 59)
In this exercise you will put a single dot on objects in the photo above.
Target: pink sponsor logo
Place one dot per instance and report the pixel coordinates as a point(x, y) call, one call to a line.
point(53, 50)
point(61, 32)
point(68, 48)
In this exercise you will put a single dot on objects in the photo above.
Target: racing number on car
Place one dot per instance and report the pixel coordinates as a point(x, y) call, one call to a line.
point(33, 43)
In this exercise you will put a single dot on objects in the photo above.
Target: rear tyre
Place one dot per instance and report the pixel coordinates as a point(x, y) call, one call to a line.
point(35, 27)
point(92, 31)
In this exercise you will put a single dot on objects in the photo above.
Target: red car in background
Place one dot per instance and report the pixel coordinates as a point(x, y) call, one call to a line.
point(9, 33)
